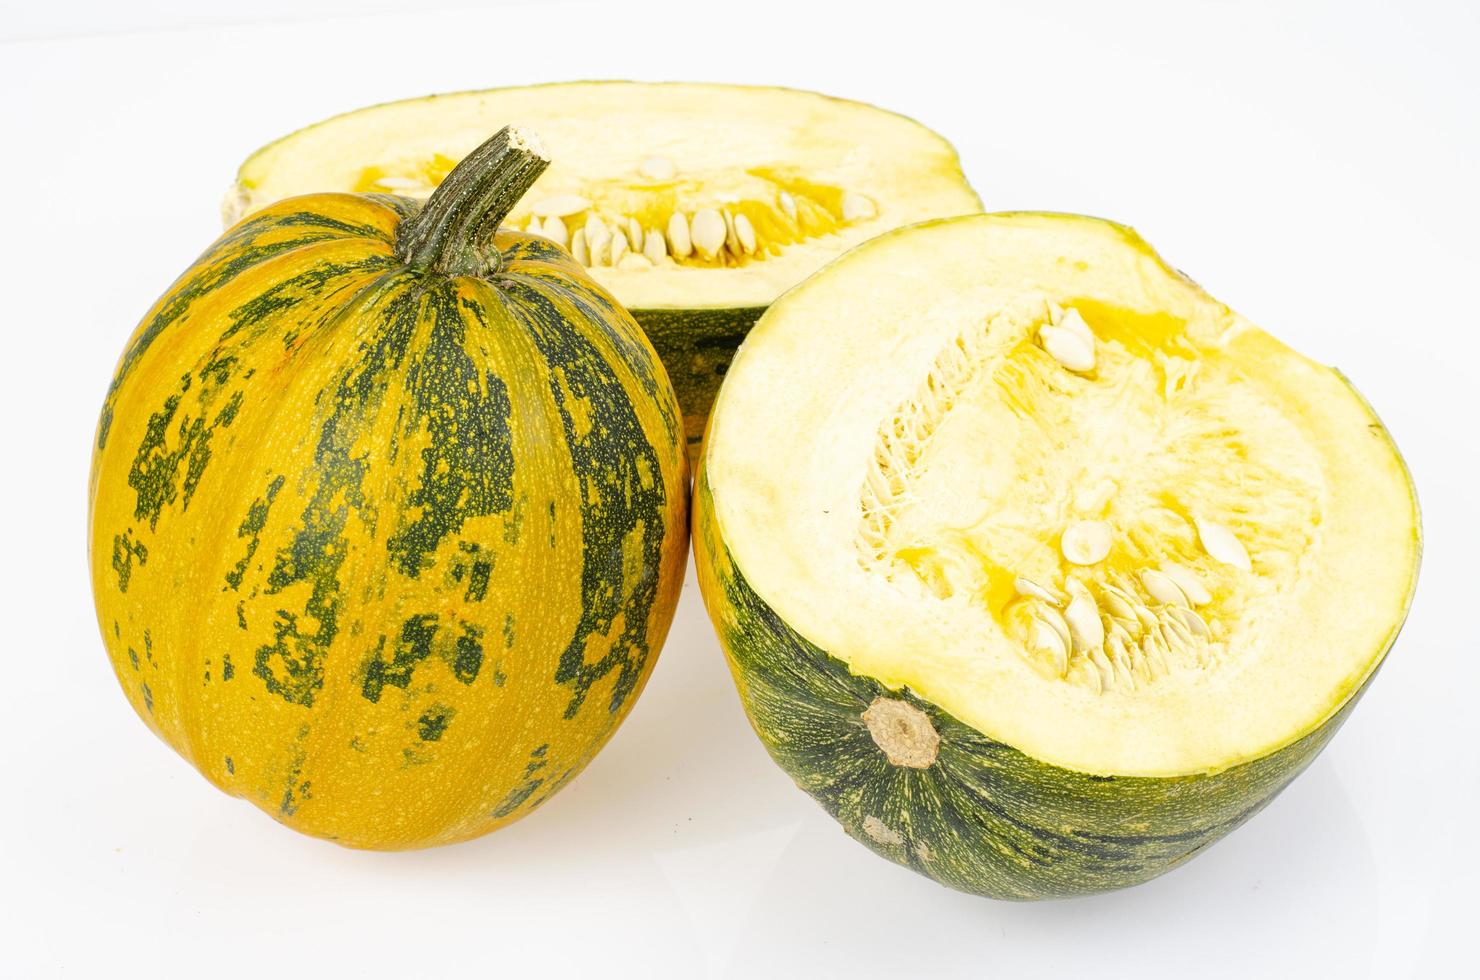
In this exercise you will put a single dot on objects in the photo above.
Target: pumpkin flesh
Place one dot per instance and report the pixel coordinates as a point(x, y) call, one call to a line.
point(812, 175)
point(886, 467)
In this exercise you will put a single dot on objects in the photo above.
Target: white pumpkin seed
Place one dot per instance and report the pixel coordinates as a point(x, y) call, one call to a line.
point(1056, 621)
point(788, 205)
point(657, 168)
point(634, 260)
point(1074, 323)
point(1068, 348)
point(1118, 604)
point(732, 240)
point(560, 206)
point(1086, 542)
point(598, 239)
point(708, 232)
point(1162, 589)
point(578, 248)
point(1154, 654)
point(653, 246)
point(618, 246)
point(857, 207)
point(1055, 312)
point(554, 229)
point(1102, 665)
point(1191, 621)
point(1219, 542)
point(1177, 632)
point(679, 242)
point(745, 231)
point(634, 235)
point(1083, 617)
point(1028, 587)
point(1188, 581)
point(1096, 678)
point(1045, 641)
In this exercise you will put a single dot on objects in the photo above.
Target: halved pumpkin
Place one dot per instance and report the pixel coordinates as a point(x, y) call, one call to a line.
point(1039, 567)
point(695, 205)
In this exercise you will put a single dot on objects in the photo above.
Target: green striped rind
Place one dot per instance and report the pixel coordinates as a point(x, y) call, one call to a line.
point(984, 818)
point(386, 551)
point(696, 347)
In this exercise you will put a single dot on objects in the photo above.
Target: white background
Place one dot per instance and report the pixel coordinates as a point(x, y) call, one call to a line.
point(1314, 165)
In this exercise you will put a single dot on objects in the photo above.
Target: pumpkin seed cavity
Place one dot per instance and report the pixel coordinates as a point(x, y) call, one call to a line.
point(1100, 560)
point(659, 216)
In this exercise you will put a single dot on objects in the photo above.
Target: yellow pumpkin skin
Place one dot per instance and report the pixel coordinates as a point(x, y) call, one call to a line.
point(386, 550)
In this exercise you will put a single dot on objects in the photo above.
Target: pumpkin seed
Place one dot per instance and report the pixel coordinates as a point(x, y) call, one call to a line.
point(1221, 544)
point(1083, 617)
point(708, 231)
point(653, 246)
point(634, 260)
point(1086, 542)
point(1154, 655)
point(857, 207)
point(1188, 581)
point(1162, 588)
point(1191, 621)
point(679, 242)
point(657, 168)
point(634, 235)
point(745, 231)
point(1045, 641)
point(1031, 589)
point(1074, 323)
point(598, 240)
point(732, 240)
point(560, 206)
point(788, 205)
point(1068, 348)
point(578, 248)
point(554, 229)
point(618, 246)
point(1103, 668)
point(1055, 621)
point(1118, 604)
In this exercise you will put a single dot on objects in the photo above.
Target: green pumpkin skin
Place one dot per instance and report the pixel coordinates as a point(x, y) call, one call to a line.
point(982, 817)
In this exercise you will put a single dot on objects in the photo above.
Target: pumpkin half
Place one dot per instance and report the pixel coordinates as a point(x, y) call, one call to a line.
point(388, 511)
point(695, 205)
point(1038, 567)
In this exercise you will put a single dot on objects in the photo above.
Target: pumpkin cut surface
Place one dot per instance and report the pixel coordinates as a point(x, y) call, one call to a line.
point(1037, 565)
point(388, 512)
point(695, 205)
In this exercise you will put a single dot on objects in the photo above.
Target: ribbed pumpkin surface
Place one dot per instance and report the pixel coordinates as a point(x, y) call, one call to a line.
point(387, 551)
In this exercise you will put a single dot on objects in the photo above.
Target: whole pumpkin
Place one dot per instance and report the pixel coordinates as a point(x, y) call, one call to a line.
point(388, 511)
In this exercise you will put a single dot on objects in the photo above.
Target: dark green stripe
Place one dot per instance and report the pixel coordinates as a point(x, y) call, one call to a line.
point(609, 462)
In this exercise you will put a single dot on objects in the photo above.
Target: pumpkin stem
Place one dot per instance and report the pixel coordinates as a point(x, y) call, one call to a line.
point(451, 233)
